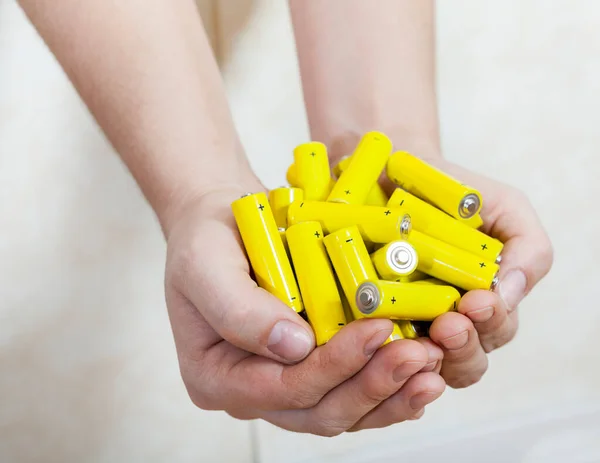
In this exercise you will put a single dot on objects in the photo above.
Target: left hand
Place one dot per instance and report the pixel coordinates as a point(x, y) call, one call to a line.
point(487, 320)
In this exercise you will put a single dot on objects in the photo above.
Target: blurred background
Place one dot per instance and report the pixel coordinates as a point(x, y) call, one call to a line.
point(87, 364)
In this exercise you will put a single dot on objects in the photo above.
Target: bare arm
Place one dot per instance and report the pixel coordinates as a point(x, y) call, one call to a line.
point(146, 71)
point(368, 66)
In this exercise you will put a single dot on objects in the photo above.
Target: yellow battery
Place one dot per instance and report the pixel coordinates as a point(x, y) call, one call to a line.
point(316, 279)
point(312, 170)
point(292, 179)
point(341, 166)
point(437, 224)
point(395, 335)
point(291, 176)
point(414, 276)
point(280, 199)
point(474, 222)
point(453, 265)
point(408, 329)
point(376, 197)
point(433, 185)
point(431, 281)
point(265, 249)
point(404, 301)
point(367, 162)
point(351, 262)
point(376, 224)
point(394, 260)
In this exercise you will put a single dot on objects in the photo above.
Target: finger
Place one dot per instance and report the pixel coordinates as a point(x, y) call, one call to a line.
point(406, 404)
point(465, 361)
point(527, 255)
point(418, 415)
point(242, 313)
point(435, 355)
point(253, 382)
point(488, 313)
point(509, 216)
point(339, 410)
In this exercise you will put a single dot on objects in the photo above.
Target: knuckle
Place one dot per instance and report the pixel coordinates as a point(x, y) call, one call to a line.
point(300, 399)
point(499, 340)
point(373, 394)
point(546, 256)
point(201, 398)
point(466, 379)
point(330, 428)
point(234, 320)
point(200, 389)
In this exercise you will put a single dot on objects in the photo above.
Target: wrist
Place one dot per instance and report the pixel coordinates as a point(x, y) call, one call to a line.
point(227, 189)
point(342, 142)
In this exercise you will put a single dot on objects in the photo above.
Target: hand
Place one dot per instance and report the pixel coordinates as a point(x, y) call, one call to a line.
point(488, 320)
point(243, 351)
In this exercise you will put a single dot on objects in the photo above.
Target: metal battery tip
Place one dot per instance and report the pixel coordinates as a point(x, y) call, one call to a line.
point(468, 206)
point(495, 282)
point(405, 225)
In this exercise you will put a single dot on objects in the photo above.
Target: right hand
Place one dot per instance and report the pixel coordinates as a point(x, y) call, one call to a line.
point(243, 351)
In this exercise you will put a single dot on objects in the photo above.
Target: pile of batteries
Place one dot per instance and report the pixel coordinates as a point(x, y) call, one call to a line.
point(339, 249)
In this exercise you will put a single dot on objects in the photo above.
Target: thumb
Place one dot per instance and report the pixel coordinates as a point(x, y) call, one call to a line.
point(244, 314)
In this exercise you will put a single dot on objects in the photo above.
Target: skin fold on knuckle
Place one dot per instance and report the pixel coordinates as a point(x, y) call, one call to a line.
point(299, 399)
point(463, 379)
point(373, 392)
point(202, 397)
point(500, 339)
point(329, 427)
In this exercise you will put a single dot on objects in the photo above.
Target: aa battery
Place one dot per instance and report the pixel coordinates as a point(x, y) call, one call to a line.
point(414, 276)
point(316, 279)
point(453, 265)
point(341, 166)
point(474, 222)
point(294, 181)
point(351, 262)
point(404, 301)
point(437, 224)
point(376, 224)
point(280, 199)
point(395, 335)
point(433, 185)
point(312, 170)
point(394, 260)
point(409, 329)
point(376, 197)
point(362, 173)
point(265, 249)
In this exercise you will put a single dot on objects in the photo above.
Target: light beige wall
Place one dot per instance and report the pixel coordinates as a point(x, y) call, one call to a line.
point(86, 357)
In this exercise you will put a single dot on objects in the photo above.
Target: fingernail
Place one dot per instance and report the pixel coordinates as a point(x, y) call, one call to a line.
point(457, 341)
point(420, 400)
point(512, 288)
point(290, 341)
point(429, 367)
point(402, 372)
point(481, 315)
point(418, 415)
point(376, 341)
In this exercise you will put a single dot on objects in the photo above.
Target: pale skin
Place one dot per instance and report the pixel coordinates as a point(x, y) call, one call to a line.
point(145, 70)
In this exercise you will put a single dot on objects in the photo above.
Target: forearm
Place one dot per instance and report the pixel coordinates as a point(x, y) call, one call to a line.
point(368, 66)
point(146, 71)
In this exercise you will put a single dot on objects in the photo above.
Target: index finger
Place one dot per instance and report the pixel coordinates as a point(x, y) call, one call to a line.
point(263, 384)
